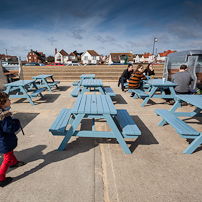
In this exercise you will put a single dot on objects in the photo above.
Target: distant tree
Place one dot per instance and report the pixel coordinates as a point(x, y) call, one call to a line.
point(50, 58)
point(77, 54)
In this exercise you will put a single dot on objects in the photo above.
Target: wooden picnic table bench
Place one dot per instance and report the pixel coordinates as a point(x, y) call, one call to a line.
point(41, 81)
point(22, 87)
point(182, 128)
point(95, 107)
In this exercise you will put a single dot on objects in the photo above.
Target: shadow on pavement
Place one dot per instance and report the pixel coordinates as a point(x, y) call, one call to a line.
point(118, 99)
point(73, 148)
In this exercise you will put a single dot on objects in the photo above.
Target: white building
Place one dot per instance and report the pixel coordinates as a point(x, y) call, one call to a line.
point(90, 57)
point(61, 57)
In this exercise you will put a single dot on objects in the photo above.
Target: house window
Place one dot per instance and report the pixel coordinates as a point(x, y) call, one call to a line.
point(30, 57)
point(34, 57)
point(94, 57)
point(86, 58)
point(114, 57)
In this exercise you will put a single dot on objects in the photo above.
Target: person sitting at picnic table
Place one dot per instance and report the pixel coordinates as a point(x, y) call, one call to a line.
point(199, 87)
point(183, 79)
point(125, 76)
point(149, 70)
point(135, 80)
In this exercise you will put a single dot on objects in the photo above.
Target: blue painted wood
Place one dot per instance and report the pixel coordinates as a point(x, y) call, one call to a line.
point(117, 133)
point(140, 93)
point(194, 145)
point(75, 92)
point(60, 123)
point(52, 84)
point(36, 92)
point(90, 106)
point(41, 81)
point(23, 87)
point(109, 91)
point(180, 126)
point(71, 131)
point(75, 83)
point(128, 125)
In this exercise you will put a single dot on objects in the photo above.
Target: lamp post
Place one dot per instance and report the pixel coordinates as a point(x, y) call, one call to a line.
point(155, 40)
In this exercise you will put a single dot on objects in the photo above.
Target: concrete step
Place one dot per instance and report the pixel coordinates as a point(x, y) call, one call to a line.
point(69, 73)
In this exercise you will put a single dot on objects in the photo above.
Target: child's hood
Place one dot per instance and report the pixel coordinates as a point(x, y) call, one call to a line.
point(4, 114)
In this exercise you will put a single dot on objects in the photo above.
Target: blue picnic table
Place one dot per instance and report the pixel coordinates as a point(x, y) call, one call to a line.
point(20, 89)
point(157, 85)
point(83, 77)
point(184, 130)
point(41, 81)
point(95, 107)
point(95, 85)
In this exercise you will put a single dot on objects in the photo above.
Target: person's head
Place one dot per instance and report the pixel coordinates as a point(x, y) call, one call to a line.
point(4, 101)
point(150, 65)
point(183, 68)
point(139, 68)
point(130, 67)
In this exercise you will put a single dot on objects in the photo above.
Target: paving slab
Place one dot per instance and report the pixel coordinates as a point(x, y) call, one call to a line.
point(97, 169)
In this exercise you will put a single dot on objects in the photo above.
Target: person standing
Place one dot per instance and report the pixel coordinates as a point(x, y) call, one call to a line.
point(125, 76)
point(8, 139)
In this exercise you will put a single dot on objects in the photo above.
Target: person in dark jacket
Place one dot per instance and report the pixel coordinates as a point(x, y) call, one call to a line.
point(149, 70)
point(135, 80)
point(8, 139)
point(125, 76)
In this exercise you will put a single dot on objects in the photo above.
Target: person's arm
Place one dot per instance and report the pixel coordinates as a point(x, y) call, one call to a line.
point(10, 125)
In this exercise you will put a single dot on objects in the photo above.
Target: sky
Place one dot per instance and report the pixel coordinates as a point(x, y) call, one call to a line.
point(106, 26)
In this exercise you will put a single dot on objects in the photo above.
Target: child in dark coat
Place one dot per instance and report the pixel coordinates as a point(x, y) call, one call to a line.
point(8, 139)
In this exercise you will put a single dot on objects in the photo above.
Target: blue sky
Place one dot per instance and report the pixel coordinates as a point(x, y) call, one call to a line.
point(105, 26)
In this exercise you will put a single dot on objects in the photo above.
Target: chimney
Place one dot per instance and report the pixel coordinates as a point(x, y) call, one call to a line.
point(56, 51)
point(131, 51)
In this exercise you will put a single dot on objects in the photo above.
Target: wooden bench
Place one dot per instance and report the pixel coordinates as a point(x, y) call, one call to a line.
point(59, 125)
point(130, 129)
point(14, 70)
point(52, 84)
point(182, 128)
point(75, 92)
point(75, 83)
point(109, 91)
point(36, 92)
point(140, 93)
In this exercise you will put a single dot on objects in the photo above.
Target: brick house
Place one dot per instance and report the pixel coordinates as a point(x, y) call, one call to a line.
point(34, 56)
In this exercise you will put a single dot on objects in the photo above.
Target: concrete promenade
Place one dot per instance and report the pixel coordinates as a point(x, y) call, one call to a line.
point(94, 169)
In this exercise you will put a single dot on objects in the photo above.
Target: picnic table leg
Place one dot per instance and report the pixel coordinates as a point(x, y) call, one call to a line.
point(153, 90)
point(173, 93)
point(71, 131)
point(46, 84)
point(101, 90)
point(194, 145)
point(117, 133)
point(26, 95)
point(8, 90)
point(54, 81)
point(84, 89)
point(35, 86)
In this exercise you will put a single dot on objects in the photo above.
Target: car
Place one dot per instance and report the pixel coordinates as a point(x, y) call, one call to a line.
point(56, 64)
point(116, 64)
point(74, 64)
point(34, 64)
